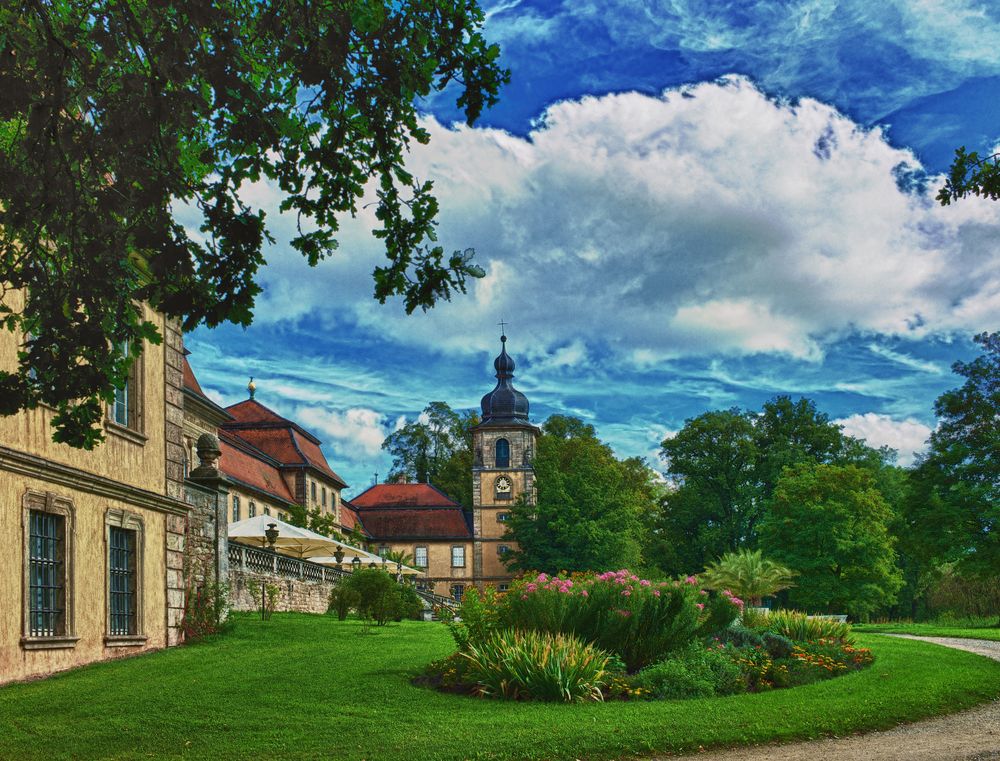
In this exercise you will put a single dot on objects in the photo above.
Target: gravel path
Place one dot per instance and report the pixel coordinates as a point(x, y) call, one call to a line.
point(972, 735)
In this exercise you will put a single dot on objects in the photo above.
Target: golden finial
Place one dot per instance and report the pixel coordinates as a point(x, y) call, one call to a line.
point(252, 387)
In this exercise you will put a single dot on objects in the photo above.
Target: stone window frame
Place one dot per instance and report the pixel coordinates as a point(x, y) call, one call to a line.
point(457, 547)
point(457, 596)
point(116, 517)
point(48, 502)
point(135, 429)
point(503, 587)
point(251, 509)
point(237, 510)
point(416, 561)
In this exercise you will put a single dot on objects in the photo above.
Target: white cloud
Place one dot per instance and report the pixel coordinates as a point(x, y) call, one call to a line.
point(708, 220)
point(355, 433)
point(908, 437)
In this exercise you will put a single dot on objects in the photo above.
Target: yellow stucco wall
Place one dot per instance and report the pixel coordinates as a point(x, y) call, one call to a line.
point(439, 563)
point(88, 588)
point(119, 458)
point(278, 510)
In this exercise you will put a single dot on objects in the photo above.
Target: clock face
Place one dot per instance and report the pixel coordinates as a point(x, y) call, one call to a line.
point(503, 484)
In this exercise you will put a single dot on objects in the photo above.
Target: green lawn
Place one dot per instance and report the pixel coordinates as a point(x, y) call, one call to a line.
point(932, 630)
point(311, 687)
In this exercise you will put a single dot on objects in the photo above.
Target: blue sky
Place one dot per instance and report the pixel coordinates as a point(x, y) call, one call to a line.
point(680, 206)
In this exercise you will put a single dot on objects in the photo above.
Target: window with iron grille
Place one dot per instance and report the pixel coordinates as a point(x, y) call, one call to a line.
point(122, 597)
point(420, 557)
point(46, 574)
point(457, 590)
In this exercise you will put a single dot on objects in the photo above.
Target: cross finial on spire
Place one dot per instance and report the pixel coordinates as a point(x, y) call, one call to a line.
point(503, 325)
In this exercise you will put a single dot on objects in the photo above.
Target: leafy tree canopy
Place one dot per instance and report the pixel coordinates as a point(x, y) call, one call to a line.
point(953, 509)
point(971, 174)
point(725, 465)
point(117, 112)
point(589, 504)
point(436, 448)
point(830, 524)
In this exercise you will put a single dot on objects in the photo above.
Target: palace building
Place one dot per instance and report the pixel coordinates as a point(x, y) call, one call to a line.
point(94, 541)
point(104, 546)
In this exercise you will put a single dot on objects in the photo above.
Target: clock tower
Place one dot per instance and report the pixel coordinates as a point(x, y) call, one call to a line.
point(503, 448)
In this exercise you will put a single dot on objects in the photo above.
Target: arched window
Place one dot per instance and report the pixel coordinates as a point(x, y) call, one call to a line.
point(502, 453)
point(252, 509)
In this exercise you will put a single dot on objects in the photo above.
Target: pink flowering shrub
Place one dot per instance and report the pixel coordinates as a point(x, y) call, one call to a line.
point(639, 620)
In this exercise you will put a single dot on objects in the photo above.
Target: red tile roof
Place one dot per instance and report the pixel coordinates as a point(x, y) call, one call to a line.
point(252, 411)
point(189, 380)
point(420, 523)
point(349, 518)
point(244, 467)
point(285, 441)
point(402, 495)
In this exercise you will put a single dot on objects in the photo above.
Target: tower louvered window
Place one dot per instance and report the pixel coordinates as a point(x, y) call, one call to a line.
point(502, 453)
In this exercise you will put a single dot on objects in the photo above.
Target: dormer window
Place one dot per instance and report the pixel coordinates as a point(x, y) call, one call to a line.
point(502, 453)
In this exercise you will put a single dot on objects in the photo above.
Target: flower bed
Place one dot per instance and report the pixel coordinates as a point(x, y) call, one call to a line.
point(617, 636)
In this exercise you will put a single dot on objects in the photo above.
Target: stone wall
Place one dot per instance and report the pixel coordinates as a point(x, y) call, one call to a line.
point(299, 595)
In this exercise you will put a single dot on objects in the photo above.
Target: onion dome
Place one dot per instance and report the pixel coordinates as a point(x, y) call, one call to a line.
point(504, 403)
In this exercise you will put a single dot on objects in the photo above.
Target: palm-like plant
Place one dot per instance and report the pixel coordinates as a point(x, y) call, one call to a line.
point(399, 556)
point(748, 575)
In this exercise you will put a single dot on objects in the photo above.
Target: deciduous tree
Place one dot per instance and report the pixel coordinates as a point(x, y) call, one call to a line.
point(436, 448)
point(587, 514)
point(114, 114)
point(830, 524)
point(954, 505)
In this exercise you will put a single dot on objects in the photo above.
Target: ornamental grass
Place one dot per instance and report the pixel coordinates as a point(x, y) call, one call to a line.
point(531, 665)
point(802, 628)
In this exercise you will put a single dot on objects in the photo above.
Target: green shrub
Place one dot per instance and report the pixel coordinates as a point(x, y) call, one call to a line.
point(410, 604)
point(205, 608)
point(693, 672)
point(777, 645)
point(673, 679)
point(342, 599)
point(477, 618)
point(378, 595)
point(801, 628)
point(537, 666)
point(740, 636)
point(620, 613)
